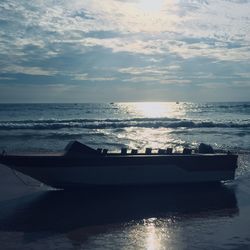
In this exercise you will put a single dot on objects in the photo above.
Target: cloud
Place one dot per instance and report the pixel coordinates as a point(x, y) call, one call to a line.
point(153, 74)
point(152, 70)
point(6, 78)
point(86, 77)
point(132, 29)
point(14, 69)
point(123, 42)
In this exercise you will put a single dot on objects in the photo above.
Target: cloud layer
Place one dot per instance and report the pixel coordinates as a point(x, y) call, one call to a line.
point(186, 46)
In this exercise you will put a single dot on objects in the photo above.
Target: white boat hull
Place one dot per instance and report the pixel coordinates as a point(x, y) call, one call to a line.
point(69, 177)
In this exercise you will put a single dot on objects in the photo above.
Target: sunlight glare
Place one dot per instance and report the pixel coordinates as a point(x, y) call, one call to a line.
point(152, 109)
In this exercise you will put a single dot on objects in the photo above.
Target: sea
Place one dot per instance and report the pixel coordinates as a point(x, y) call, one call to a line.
point(33, 216)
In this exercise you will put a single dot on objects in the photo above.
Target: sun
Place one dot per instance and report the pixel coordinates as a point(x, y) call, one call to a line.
point(150, 5)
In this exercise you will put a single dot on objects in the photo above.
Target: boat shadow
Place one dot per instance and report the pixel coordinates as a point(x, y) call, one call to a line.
point(64, 211)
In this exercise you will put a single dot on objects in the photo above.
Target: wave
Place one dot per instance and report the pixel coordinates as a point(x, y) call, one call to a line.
point(91, 120)
point(53, 124)
point(232, 105)
point(54, 135)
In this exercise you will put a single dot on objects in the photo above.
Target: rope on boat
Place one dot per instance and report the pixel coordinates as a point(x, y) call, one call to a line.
point(23, 181)
point(3, 154)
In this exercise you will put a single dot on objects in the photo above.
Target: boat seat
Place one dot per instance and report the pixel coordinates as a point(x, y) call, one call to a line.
point(148, 151)
point(169, 151)
point(124, 151)
point(161, 151)
point(134, 151)
point(187, 151)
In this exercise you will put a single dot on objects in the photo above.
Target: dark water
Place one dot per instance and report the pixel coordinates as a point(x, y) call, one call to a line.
point(173, 217)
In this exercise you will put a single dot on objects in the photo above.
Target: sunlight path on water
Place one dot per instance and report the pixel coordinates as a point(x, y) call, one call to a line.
point(153, 109)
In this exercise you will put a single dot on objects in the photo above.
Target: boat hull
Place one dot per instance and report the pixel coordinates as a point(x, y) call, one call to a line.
point(64, 172)
point(112, 176)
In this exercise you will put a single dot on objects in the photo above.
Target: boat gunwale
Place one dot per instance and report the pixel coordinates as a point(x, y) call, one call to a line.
point(77, 156)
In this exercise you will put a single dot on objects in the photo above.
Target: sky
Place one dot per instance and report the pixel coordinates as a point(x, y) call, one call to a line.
point(124, 50)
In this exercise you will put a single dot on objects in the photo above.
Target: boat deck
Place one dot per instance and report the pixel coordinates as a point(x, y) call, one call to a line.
point(60, 154)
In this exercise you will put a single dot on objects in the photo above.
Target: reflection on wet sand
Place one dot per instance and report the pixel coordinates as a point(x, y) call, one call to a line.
point(145, 218)
point(92, 212)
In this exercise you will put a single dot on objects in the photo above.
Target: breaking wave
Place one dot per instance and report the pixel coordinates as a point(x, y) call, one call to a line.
point(53, 124)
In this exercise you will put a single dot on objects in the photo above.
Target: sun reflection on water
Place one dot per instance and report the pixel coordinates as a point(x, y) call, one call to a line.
point(154, 109)
point(152, 233)
point(151, 109)
point(153, 239)
point(151, 115)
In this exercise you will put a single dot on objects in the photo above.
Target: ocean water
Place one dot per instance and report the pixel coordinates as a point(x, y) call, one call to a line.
point(41, 127)
point(150, 218)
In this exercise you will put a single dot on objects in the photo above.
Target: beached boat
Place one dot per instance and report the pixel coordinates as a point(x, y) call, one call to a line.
point(82, 166)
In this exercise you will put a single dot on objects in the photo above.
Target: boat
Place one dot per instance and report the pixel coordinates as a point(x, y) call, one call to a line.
point(83, 166)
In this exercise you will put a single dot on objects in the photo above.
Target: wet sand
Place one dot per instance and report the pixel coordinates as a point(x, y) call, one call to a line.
point(173, 217)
